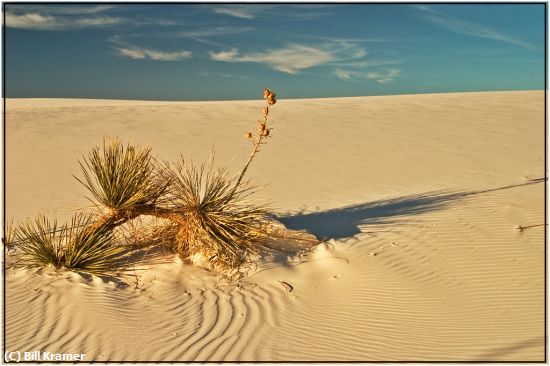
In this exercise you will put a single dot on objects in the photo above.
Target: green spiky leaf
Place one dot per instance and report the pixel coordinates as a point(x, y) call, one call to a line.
point(120, 177)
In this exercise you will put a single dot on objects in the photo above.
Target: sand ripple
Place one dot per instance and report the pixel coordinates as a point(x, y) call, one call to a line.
point(167, 320)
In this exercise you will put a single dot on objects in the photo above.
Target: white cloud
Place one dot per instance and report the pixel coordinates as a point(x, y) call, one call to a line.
point(345, 59)
point(382, 77)
point(96, 22)
point(385, 76)
point(346, 40)
point(59, 9)
point(343, 74)
point(227, 56)
point(233, 76)
point(237, 11)
point(137, 53)
point(470, 29)
point(369, 63)
point(295, 57)
point(241, 11)
point(291, 59)
point(296, 12)
point(77, 9)
point(204, 35)
point(36, 21)
point(213, 31)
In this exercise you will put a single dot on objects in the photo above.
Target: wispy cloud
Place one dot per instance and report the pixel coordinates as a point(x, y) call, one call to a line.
point(139, 53)
point(36, 21)
point(205, 35)
point(383, 76)
point(362, 69)
point(223, 75)
point(369, 63)
point(59, 8)
point(354, 40)
point(346, 60)
point(299, 12)
point(343, 74)
point(239, 11)
point(65, 17)
point(88, 9)
point(233, 76)
point(470, 29)
point(291, 59)
point(303, 12)
point(294, 57)
point(213, 31)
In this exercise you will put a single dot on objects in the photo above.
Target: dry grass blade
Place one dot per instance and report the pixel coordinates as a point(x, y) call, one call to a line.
point(120, 177)
point(146, 231)
point(41, 243)
point(220, 223)
point(151, 239)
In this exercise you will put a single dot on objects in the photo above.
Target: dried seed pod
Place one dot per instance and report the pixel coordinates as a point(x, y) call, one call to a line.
point(261, 127)
point(267, 93)
point(266, 111)
point(248, 135)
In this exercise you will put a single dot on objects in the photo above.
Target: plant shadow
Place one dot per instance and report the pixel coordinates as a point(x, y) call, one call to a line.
point(346, 222)
point(499, 352)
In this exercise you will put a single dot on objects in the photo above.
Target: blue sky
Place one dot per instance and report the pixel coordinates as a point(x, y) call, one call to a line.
point(231, 51)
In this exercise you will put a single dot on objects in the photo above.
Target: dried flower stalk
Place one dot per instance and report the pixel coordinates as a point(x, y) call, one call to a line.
point(263, 133)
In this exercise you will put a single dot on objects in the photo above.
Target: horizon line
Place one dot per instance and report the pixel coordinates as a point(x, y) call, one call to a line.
point(279, 98)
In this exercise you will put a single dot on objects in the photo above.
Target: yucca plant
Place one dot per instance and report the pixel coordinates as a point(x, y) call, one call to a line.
point(219, 223)
point(90, 248)
point(122, 177)
point(41, 242)
point(205, 210)
point(75, 247)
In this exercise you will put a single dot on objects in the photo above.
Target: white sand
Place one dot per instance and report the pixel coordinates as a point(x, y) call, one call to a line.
point(418, 194)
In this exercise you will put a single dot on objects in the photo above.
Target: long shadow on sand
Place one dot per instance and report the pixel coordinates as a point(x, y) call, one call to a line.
point(345, 222)
point(500, 352)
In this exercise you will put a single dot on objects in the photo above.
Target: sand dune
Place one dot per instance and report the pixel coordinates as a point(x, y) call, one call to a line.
point(417, 197)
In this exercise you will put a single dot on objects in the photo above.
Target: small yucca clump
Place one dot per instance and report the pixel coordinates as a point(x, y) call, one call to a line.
point(219, 224)
point(41, 243)
point(91, 250)
point(74, 247)
point(122, 177)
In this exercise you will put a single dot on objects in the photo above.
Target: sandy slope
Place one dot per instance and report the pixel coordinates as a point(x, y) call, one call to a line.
point(417, 196)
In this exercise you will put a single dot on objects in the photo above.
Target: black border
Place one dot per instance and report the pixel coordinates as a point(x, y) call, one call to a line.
point(4, 220)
